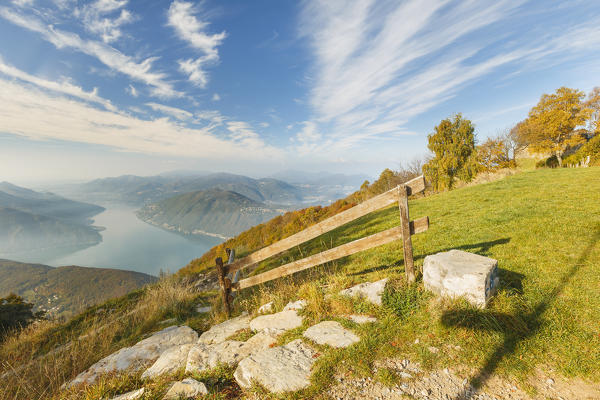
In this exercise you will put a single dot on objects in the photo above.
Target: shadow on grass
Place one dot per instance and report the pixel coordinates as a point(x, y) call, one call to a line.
point(516, 328)
point(481, 248)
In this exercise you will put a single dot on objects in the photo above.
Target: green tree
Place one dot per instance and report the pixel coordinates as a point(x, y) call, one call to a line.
point(453, 144)
point(15, 313)
point(551, 124)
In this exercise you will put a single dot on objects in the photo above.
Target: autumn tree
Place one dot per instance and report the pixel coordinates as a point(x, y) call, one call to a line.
point(593, 104)
point(494, 154)
point(550, 126)
point(452, 144)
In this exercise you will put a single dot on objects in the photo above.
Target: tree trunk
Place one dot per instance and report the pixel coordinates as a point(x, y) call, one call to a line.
point(559, 158)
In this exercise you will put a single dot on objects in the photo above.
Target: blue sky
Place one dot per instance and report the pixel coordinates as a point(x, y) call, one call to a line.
point(108, 87)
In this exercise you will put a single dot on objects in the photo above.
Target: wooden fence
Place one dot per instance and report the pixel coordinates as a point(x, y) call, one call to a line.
point(399, 194)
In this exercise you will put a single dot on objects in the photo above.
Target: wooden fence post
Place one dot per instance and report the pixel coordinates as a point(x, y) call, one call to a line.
point(225, 284)
point(409, 265)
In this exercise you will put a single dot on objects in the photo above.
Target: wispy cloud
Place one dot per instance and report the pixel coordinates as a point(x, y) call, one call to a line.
point(181, 16)
point(98, 18)
point(372, 73)
point(35, 114)
point(178, 113)
point(132, 91)
point(109, 56)
point(64, 87)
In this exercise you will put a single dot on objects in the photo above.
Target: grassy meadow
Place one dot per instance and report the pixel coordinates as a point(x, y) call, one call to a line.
point(542, 226)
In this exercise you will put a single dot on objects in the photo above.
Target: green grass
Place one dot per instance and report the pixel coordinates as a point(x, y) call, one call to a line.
point(542, 226)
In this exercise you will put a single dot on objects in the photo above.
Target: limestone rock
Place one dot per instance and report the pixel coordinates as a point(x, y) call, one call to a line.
point(332, 334)
point(139, 355)
point(458, 273)
point(136, 394)
point(278, 369)
point(169, 362)
point(202, 309)
point(266, 308)
point(371, 291)
point(361, 319)
point(278, 322)
point(219, 333)
point(207, 356)
point(295, 305)
point(186, 389)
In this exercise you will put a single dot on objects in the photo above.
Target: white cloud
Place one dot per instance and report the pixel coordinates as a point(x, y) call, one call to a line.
point(178, 113)
point(35, 114)
point(97, 20)
point(308, 139)
point(22, 3)
point(216, 97)
point(132, 91)
point(181, 16)
point(109, 56)
point(64, 87)
point(264, 124)
point(372, 74)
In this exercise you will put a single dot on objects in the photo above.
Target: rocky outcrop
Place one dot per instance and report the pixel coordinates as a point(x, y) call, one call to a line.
point(134, 395)
point(331, 333)
point(281, 321)
point(361, 319)
point(278, 369)
point(186, 389)
point(169, 362)
point(219, 333)
point(140, 355)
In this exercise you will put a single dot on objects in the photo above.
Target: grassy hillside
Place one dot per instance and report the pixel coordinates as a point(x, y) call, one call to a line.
point(543, 227)
point(64, 291)
point(214, 211)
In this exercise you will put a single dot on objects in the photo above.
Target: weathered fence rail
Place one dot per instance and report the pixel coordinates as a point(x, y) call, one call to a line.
point(407, 228)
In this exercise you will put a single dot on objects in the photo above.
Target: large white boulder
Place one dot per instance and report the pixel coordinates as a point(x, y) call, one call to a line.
point(371, 291)
point(134, 395)
point(278, 369)
point(219, 333)
point(457, 273)
point(139, 355)
point(278, 322)
point(169, 361)
point(331, 333)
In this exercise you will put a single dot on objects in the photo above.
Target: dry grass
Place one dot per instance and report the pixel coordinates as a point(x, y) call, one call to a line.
point(33, 371)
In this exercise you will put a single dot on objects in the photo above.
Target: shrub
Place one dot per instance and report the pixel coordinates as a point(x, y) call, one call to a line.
point(591, 148)
point(15, 313)
point(550, 162)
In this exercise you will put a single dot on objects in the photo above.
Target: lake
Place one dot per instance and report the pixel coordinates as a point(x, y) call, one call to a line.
point(131, 244)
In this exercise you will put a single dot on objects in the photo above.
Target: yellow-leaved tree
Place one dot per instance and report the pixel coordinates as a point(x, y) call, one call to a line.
point(550, 126)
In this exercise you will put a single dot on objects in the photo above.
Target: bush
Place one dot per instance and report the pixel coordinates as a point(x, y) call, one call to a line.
point(15, 313)
point(550, 162)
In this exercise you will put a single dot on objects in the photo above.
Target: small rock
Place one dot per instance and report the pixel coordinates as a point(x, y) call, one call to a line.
point(550, 381)
point(332, 334)
point(136, 394)
point(361, 319)
point(219, 333)
point(278, 322)
point(446, 371)
point(278, 369)
point(203, 309)
point(169, 362)
point(186, 389)
point(405, 375)
point(168, 321)
point(417, 341)
point(371, 291)
point(433, 349)
point(266, 308)
point(296, 305)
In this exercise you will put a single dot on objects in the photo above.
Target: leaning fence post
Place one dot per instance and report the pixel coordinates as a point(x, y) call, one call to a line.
point(409, 265)
point(225, 284)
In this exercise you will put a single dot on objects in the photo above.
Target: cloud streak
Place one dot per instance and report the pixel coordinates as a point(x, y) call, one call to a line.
point(109, 56)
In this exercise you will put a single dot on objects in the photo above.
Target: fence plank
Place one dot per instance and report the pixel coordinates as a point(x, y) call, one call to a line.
point(416, 185)
point(378, 239)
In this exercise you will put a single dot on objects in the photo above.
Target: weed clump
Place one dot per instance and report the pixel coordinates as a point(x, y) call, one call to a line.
point(403, 300)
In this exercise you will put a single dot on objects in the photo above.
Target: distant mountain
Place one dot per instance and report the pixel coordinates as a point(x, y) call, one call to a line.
point(64, 291)
point(138, 190)
point(47, 204)
point(33, 221)
point(218, 212)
